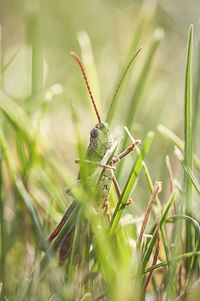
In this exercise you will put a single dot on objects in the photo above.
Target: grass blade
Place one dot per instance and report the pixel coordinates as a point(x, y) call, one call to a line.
point(188, 172)
point(163, 217)
point(173, 138)
point(131, 108)
point(130, 183)
point(188, 153)
point(197, 89)
point(173, 259)
point(17, 116)
point(119, 84)
point(2, 227)
point(31, 208)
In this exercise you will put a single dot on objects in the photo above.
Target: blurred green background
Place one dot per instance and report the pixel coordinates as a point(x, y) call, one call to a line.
point(52, 28)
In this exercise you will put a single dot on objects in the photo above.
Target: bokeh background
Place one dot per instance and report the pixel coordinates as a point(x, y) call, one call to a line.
point(52, 29)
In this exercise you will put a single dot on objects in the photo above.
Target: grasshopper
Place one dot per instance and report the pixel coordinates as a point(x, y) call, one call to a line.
point(101, 146)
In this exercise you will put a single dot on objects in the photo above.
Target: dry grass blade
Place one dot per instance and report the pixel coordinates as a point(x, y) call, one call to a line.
point(157, 190)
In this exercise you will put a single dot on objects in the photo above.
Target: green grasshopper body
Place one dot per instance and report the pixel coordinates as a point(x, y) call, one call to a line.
point(101, 142)
point(100, 152)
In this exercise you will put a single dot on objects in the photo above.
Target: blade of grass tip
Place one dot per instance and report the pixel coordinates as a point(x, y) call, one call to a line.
point(127, 64)
point(188, 171)
point(156, 191)
point(173, 138)
point(147, 12)
point(197, 89)
point(157, 37)
point(118, 86)
point(188, 120)
point(170, 172)
point(188, 152)
point(151, 244)
point(131, 108)
point(130, 183)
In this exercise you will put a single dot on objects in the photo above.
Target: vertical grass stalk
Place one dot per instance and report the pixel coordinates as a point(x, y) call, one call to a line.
point(188, 156)
point(2, 228)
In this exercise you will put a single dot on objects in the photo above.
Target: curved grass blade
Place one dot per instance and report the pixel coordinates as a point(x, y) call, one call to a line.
point(173, 259)
point(173, 138)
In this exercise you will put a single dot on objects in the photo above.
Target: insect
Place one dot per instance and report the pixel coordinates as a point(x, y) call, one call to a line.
point(100, 152)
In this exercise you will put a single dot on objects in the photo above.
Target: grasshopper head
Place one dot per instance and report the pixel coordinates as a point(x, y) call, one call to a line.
point(100, 138)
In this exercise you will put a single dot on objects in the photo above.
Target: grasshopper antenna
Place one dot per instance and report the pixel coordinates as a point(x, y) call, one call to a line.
point(75, 56)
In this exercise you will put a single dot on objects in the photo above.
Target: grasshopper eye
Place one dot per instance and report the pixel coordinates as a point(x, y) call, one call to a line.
point(94, 133)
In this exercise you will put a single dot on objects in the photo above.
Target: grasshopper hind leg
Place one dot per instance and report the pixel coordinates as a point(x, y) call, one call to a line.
point(66, 246)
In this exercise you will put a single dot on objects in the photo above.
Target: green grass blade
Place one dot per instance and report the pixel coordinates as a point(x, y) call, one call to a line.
point(173, 138)
point(196, 111)
point(119, 84)
point(10, 60)
point(130, 183)
point(188, 153)
point(188, 119)
point(173, 259)
point(131, 110)
point(2, 227)
point(17, 116)
point(31, 208)
point(163, 217)
point(23, 290)
point(188, 172)
point(22, 189)
point(136, 96)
